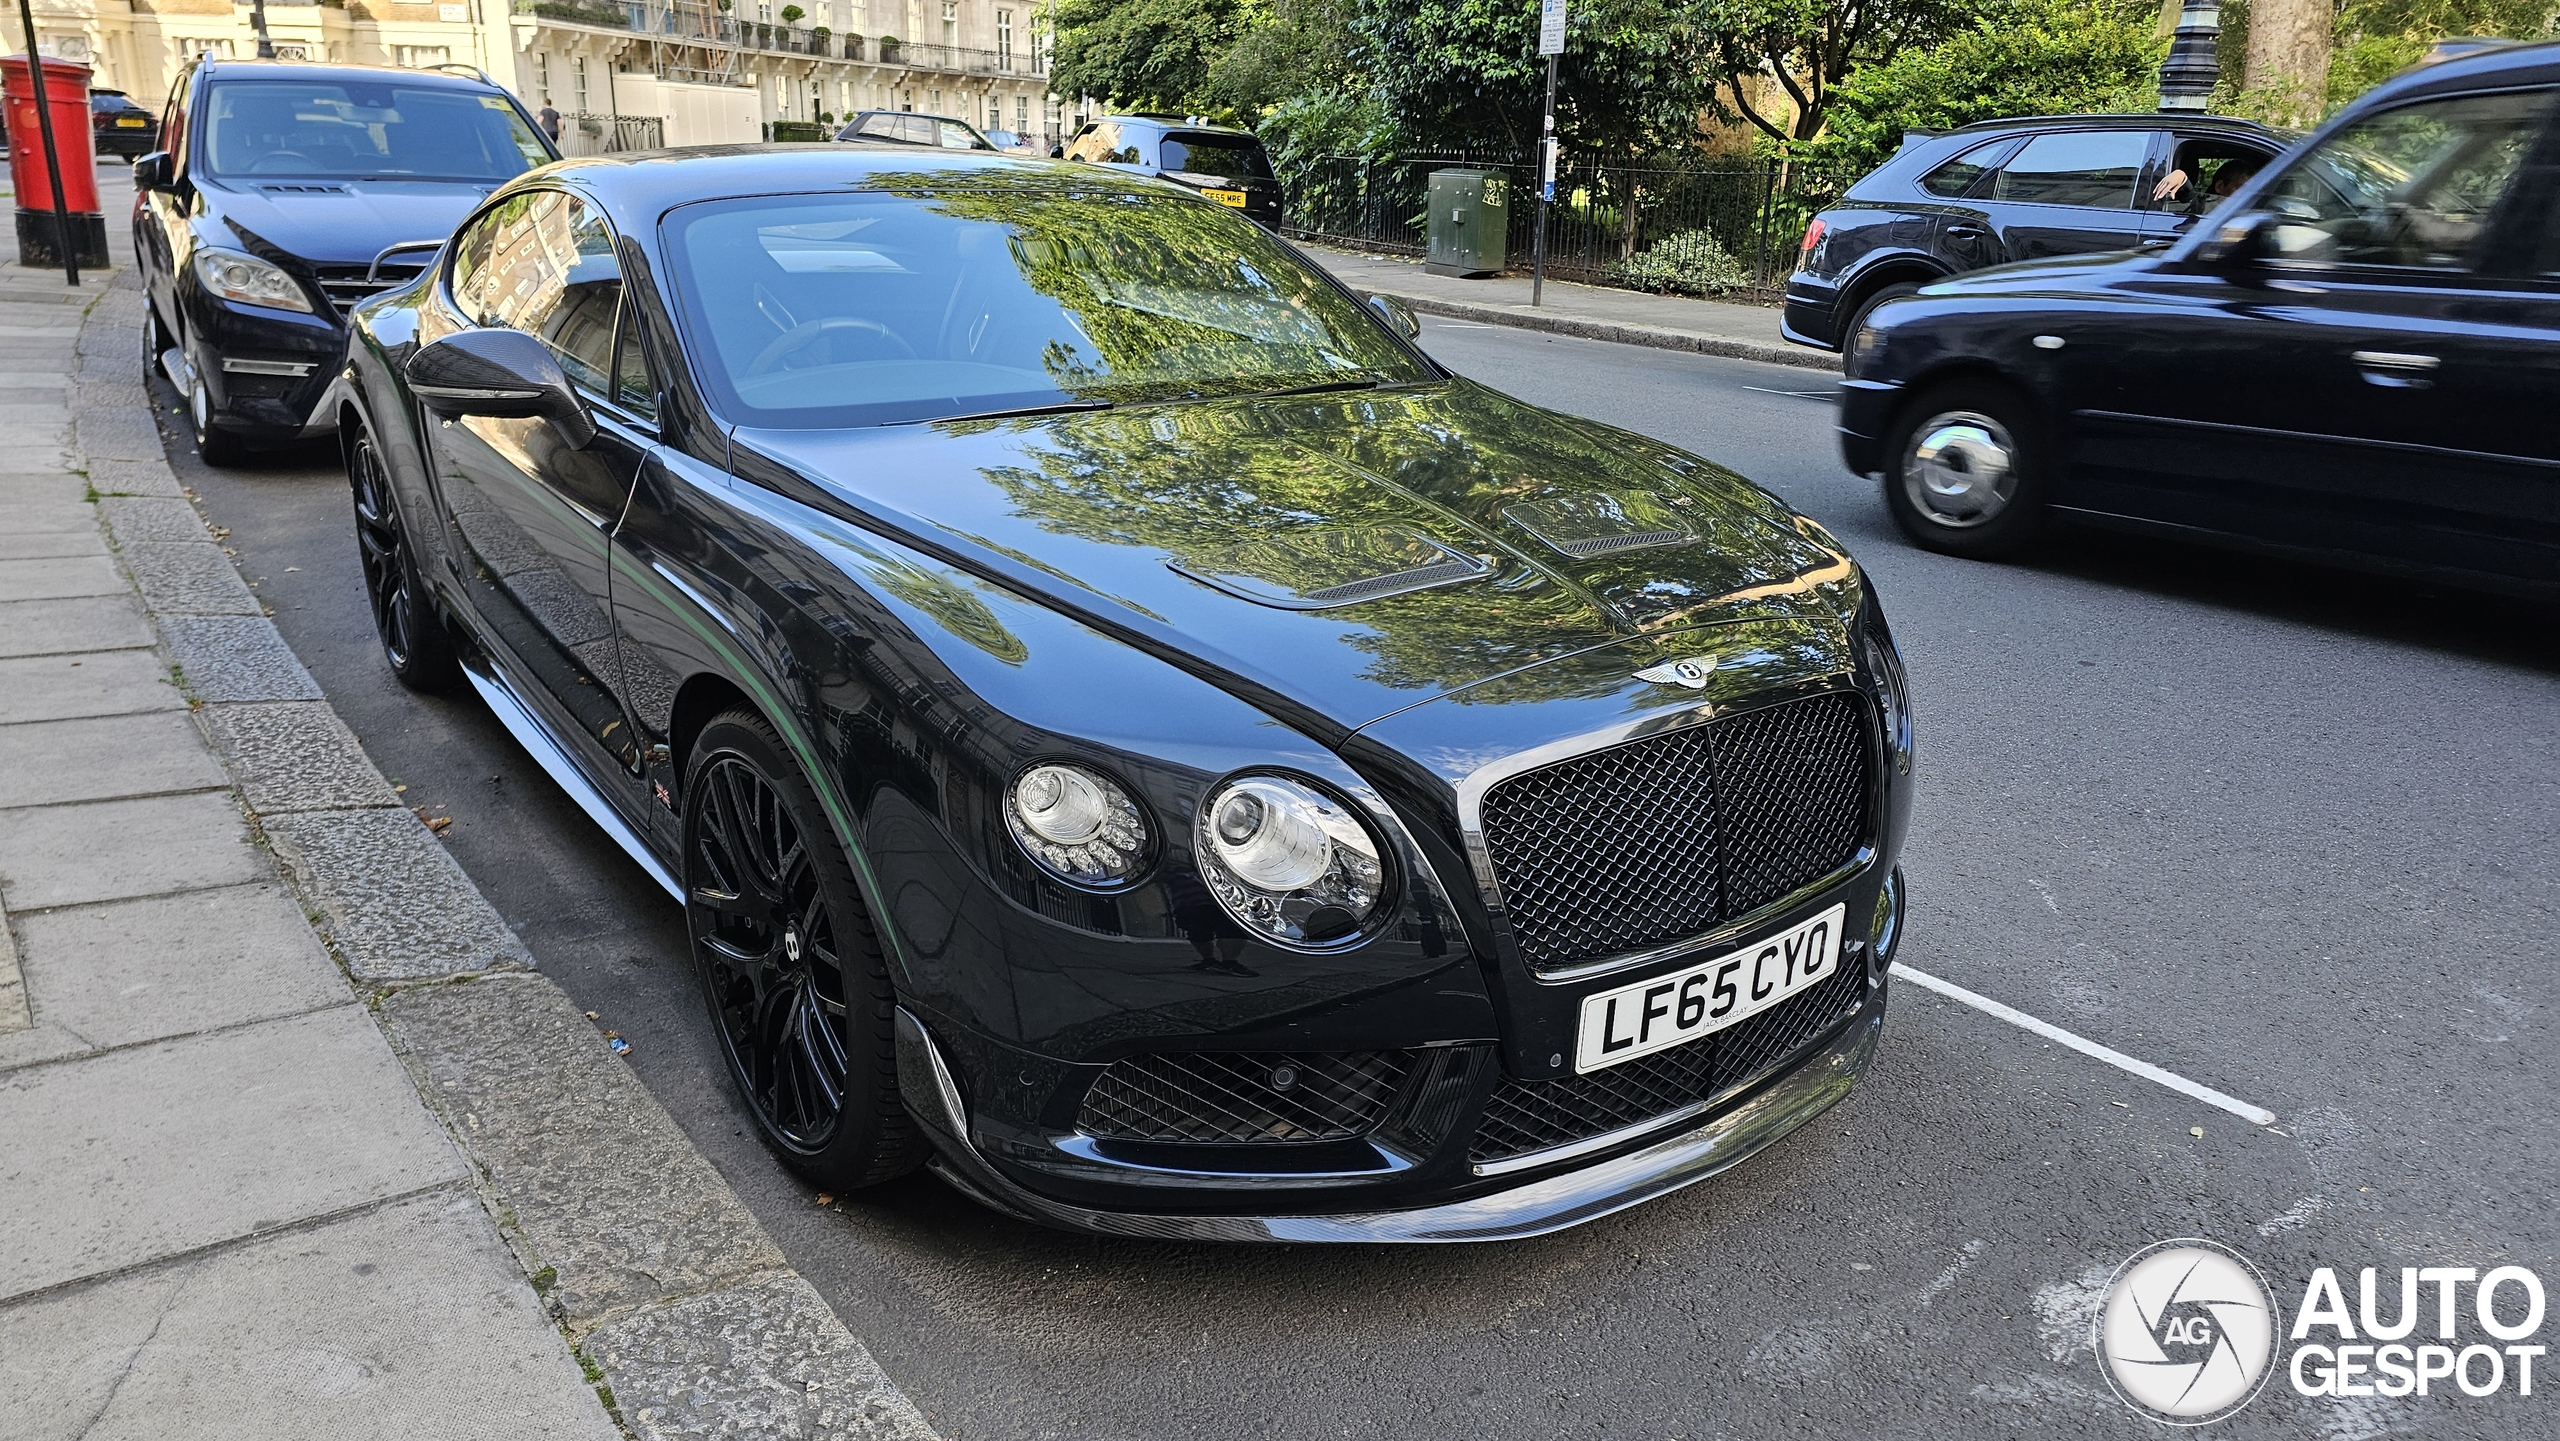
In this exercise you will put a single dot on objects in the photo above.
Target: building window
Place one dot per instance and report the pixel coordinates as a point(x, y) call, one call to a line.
point(1022, 112)
point(419, 57)
point(764, 12)
point(950, 22)
point(1004, 39)
point(542, 76)
point(937, 101)
point(197, 49)
point(578, 82)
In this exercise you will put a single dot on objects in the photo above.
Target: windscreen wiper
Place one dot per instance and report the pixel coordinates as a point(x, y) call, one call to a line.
point(1320, 387)
point(1056, 409)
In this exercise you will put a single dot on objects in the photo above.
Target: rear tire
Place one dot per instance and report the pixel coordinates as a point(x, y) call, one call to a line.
point(1966, 470)
point(1866, 307)
point(415, 643)
point(790, 966)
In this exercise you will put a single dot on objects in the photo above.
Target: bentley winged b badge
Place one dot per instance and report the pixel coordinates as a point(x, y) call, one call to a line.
point(1692, 672)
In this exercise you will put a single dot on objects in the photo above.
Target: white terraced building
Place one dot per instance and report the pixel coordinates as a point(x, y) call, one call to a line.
point(622, 73)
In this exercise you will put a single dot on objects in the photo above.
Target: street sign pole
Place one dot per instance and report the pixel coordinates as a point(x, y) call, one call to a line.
point(52, 155)
point(1551, 45)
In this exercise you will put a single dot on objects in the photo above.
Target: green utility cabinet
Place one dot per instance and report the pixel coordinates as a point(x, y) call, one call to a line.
point(1470, 223)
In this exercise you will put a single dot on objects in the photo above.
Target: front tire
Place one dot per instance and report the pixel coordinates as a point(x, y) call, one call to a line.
point(214, 447)
point(1966, 470)
point(415, 643)
point(789, 963)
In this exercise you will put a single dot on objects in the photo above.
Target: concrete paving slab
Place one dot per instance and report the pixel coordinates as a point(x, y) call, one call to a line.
point(14, 1015)
point(397, 905)
point(122, 390)
point(62, 687)
point(52, 578)
point(46, 544)
point(126, 972)
point(119, 433)
point(763, 1360)
point(236, 658)
point(32, 517)
point(29, 478)
point(140, 520)
point(132, 1156)
point(94, 758)
point(68, 627)
point(296, 756)
point(133, 477)
point(195, 579)
point(115, 850)
point(607, 1189)
point(403, 1324)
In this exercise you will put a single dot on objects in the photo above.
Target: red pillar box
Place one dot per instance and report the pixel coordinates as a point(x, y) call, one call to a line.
point(66, 94)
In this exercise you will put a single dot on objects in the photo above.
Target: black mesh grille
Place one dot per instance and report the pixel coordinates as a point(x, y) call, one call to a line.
point(1242, 1096)
point(1526, 1116)
point(1653, 842)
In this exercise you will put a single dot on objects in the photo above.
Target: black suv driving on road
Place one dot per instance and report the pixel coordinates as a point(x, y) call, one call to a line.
point(1228, 166)
point(285, 194)
point(2008, 190)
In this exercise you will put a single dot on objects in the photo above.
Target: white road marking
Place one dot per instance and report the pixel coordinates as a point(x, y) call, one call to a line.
point(1798, 394)
point(2254, 1115)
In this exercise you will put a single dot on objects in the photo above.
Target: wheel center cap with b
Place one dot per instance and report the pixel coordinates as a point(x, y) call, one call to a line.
point(791, 944)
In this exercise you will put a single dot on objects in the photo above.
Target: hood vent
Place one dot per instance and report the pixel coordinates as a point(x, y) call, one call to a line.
point(306, 190)
point(1602, 522)
point(1314, 569)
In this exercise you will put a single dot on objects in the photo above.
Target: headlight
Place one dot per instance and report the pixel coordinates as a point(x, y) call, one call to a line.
point(1862, 348)
point(1077, 825)
point(1893, 695)
point(248, 280)
point(1288, 860)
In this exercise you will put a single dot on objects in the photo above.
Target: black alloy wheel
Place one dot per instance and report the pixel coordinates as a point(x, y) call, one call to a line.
point(1965, 470)
point(414, 640)
point(790, 965)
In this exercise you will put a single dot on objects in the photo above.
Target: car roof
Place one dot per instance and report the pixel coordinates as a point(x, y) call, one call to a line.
point(1176, 122)
point(319, 70)
point(2488, 67)
point(919, 114)
point(2149, 120)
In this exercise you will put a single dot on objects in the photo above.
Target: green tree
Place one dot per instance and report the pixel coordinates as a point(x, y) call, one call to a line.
point(1466, 75)
point(2028, 57)
point(1143, 54)
point(1809, 48)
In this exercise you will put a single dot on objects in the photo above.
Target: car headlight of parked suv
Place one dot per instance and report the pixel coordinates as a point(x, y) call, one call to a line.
point(248, 280)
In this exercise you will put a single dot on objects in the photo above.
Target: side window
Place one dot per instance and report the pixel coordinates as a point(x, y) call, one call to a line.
point(471, 260)
point(549, 270)
point(884, 127)
point(1959, 176)
point(1097, 142)
point(2414, 186)
point(173, 123)
point(952, 135)
point(2093, 168)
point(631, 387)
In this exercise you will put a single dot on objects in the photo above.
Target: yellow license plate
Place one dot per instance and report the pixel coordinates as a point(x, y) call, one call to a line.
point(129, 123)
point(1233, 199)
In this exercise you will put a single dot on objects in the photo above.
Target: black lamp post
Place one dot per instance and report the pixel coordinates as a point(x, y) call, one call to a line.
point(258, 21)
point(2187, 77)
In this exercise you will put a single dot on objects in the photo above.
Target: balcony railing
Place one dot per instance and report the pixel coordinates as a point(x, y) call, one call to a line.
point(700, 24)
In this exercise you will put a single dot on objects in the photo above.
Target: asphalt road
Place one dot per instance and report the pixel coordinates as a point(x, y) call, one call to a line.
point(2285, 832)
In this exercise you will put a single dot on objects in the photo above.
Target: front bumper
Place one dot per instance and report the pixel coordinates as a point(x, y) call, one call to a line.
point(1776, 1105)
point(267, 374)
point(1866, 410)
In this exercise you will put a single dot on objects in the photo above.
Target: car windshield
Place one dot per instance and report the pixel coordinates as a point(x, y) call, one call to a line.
point(923, 300)
point(1229, 157)
point(358, 130)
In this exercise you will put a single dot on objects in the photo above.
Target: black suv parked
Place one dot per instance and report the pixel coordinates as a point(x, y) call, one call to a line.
point(285, 194)
point(122, 127)
point(2008, 190)
point(1228, 166)
point(905, 127)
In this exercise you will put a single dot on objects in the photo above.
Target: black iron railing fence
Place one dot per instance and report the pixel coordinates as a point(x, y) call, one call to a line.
point(1607, 220)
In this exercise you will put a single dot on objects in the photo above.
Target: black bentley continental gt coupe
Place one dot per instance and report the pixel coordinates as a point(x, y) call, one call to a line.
point(1126, 728)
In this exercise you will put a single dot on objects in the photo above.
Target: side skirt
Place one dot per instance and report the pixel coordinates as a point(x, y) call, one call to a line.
point(529, 733)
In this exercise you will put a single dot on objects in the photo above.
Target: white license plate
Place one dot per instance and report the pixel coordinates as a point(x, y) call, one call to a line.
point(1674, 1009)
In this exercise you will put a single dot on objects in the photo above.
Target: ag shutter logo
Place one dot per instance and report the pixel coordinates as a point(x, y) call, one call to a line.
point(2187, 1332)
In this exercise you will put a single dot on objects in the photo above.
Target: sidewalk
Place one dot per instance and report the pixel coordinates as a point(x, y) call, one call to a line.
point(1593, 312)
point(293, 1143)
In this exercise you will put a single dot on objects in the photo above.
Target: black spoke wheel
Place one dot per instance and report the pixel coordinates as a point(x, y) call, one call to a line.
point(790, 966)
point(414, 639)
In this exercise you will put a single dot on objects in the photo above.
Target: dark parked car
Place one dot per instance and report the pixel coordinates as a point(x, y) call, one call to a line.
point(903, 127)
point(2008, 190)
point(121, 127)
point(287, 193)
point(1118, 719)
point(2356, 359)
point(1228, 166)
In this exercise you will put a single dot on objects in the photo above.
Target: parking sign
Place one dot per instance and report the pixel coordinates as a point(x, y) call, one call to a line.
point(1551, 27)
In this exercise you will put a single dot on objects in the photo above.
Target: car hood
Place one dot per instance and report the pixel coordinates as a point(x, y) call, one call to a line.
point(340, 222)
point(1266, 541)
point(2028, 277)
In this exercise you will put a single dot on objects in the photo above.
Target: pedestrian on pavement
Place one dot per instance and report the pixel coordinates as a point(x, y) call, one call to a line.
point(549, 120)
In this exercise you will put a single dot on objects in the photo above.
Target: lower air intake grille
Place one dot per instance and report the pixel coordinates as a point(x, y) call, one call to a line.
point(1236, 1097)
point(1528, 1116)
point(1656, 841)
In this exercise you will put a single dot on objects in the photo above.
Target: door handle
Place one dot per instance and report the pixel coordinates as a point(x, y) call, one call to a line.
point(2397, 370)
point(1965, 232)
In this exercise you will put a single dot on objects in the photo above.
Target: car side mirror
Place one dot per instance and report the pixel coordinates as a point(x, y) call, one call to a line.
point(151, 172)
point(1398, 314)
point(1057, 152)
point(2242, 242)
point(504, 374)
